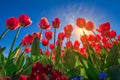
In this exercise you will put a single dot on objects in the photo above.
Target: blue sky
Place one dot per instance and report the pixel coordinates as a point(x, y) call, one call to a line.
point(98, 11)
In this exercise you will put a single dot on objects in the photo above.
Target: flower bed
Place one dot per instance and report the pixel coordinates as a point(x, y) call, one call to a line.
point(98, 57)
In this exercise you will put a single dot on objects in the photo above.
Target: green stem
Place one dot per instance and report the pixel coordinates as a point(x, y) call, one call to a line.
point(87, 45)
point(4, 33)
point(13, 42)
point(54, 36)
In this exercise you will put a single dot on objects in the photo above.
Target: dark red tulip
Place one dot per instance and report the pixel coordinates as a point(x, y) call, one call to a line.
point(12, 23)
point(24, 20)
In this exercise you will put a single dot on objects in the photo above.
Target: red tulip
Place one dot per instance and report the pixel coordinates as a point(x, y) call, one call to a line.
point(27, 50)
point(80, 22)
point(23, 77)
point(89, 26)
point(98, 37)
point(47, 53)
point(83, 39)
point(28, 39)
point(112, 34)
point(68, 28)
point(48, 68)
point(12, 23)
point(97, 48)
point(76, 44)
point(64, 78)
point(91, 37)
point(68, 44)
point(38, 72)
point(104, 40)
point(24, 20)
point(119, 37)
point(83, 52)
point(115, 41)
point(48, 35)
point(38, 35)
point(45, 42)
point(60, 43)
point(56, 75)
point(104, 27)
point(107, 45)
point(51, 46)
point(61, 36)
point(56, 23)
point(62, 53)
point(44, 24)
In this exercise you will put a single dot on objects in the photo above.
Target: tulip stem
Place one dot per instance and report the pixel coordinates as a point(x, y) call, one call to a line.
point(4, 33)
point(54, 36)
point(13, 42)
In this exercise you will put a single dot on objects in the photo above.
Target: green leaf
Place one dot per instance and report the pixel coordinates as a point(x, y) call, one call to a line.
point(10, 68)
point(58, 54)
point(2, 49)
point(74, 72)
point(20, 61)
point(35, 50)
point(69, 59)
point(14, 53)
point(92, 73)
point(27, 66)
point(1, 58)
point(114, 72)
point(114, 55)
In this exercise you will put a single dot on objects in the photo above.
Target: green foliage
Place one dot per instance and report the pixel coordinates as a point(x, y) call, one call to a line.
point(114, 72)
point(35, 49)
point(114, 55)
point(58, 54)
point(91, 72)
point(10, 68)
point(69, 59)
point(20, 61)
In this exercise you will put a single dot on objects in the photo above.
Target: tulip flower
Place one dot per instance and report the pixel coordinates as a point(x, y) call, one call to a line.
point(48, 35)
point(11, 24)
point(119, 37)
point(44, 24)
point(112, 34)
point(89, 26)
point(51, 46)
point(68, 44)
point(27, 40)
point(56, 24)
point(61, 36)
point(27, 50)
point(76, 44)
point(45, 42)
point(103, 27)
point(80, 22)
point(38, 35)
point(24, 20)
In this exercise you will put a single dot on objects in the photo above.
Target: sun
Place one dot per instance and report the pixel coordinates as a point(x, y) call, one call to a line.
point(77, 32)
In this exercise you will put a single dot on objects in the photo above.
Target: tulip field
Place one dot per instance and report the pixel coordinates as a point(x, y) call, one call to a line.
point(43, 56)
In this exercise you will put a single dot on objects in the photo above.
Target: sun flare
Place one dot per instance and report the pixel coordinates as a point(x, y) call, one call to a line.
point(78, 32)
